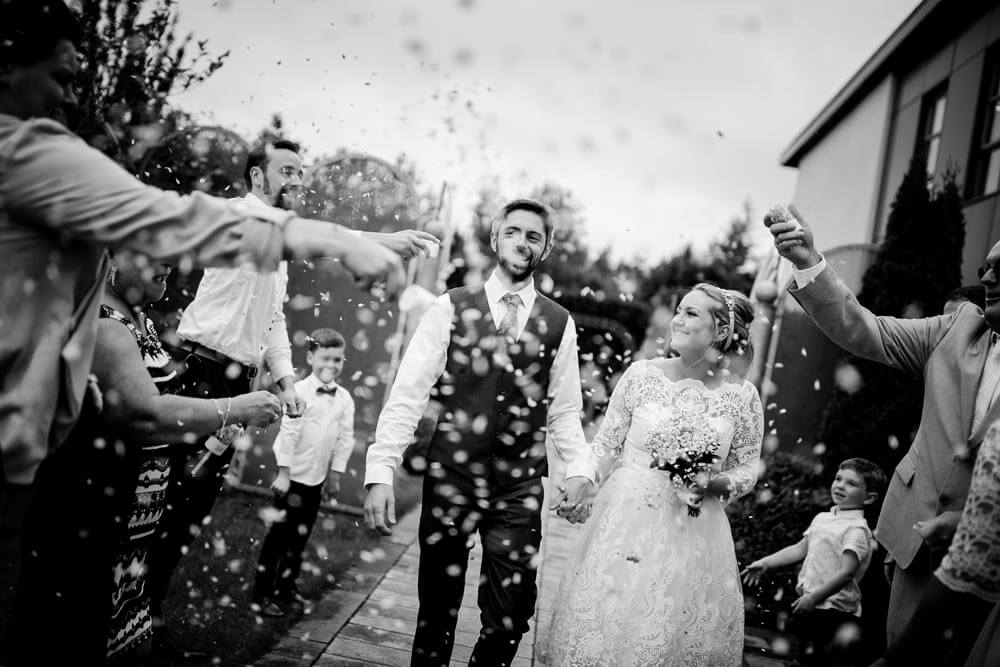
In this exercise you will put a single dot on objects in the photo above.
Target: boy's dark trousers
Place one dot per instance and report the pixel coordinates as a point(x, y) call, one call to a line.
point(829, 637)
point(281, 555)
point(191, 496)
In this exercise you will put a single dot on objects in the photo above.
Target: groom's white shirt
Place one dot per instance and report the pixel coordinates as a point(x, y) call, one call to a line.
point(424, 362)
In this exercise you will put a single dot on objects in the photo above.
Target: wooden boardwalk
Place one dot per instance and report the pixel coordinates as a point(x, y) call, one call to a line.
point(370, 617)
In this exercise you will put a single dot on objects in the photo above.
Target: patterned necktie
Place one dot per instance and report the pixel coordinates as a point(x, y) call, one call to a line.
point(326, 390)
point(508, 325)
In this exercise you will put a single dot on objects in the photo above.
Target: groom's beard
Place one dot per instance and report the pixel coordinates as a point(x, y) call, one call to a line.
point(517, 275)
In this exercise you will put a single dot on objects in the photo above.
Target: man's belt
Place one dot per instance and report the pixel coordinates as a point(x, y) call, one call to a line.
point(209, 354)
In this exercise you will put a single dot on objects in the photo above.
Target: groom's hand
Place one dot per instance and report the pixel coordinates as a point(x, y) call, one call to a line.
point(380, 508)
point(568, 502)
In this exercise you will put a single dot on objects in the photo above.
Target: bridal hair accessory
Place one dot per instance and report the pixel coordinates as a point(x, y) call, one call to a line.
point(731, 307)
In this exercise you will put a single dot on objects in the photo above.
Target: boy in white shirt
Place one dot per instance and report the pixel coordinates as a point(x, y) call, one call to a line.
point(835, 552)
point(311, 452)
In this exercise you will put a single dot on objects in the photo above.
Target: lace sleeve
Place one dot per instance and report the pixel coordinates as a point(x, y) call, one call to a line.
point(743, 462)
point(610, 439)
point(971, 564)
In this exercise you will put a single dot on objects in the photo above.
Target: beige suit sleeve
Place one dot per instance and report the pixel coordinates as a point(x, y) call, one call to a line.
point(51, 178)
point(905, 344)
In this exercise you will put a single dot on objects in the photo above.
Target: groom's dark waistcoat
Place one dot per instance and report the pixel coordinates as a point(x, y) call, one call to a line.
point(494, 401)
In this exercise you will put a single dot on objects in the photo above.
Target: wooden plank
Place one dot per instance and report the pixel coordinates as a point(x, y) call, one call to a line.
point(332, 612)
point(371, 653)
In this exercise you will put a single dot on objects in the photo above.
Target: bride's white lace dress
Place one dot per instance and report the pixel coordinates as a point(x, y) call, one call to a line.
point(646, 584)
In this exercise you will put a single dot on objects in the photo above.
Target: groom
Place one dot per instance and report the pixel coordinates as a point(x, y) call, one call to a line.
point(500, 362)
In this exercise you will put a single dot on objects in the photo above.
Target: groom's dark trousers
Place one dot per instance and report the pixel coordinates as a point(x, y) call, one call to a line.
point(509, 526)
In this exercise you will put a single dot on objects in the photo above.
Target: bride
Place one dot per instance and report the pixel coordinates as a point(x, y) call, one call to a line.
point(648, 583)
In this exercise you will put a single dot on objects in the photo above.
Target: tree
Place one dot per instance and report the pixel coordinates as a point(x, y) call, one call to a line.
point(133, 60)
point(876, 414)
point(727, 265)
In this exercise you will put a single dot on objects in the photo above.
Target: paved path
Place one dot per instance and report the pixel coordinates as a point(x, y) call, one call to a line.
point(371, 615)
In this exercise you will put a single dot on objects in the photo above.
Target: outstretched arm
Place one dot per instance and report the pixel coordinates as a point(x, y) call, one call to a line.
point(53, 179)
point(135, 409)
point(794, 553)
point(901, 343)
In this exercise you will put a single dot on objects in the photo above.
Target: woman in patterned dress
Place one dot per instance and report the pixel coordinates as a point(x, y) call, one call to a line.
point(965, 588)
point(99, 497)
point(648, 583)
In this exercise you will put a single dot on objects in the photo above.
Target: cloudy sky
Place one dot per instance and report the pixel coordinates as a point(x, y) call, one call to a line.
point(662, 118)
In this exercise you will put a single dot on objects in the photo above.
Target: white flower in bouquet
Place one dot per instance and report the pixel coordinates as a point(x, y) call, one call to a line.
point(685, 449)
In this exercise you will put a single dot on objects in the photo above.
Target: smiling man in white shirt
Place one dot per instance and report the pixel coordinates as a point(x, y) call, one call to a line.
point(501, 361)
point(236, 323)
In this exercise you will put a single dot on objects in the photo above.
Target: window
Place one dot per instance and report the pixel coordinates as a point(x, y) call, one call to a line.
point(986, 157)
point(931, 123)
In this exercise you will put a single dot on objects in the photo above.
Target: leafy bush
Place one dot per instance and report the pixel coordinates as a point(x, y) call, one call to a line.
point(788, 495)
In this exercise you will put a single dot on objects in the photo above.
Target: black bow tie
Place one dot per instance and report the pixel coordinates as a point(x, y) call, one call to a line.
point(326, 390)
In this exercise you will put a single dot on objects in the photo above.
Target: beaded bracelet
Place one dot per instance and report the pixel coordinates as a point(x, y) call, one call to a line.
point(218, 411)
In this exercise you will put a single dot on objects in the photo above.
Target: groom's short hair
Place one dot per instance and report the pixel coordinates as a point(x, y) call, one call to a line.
point(531, 206)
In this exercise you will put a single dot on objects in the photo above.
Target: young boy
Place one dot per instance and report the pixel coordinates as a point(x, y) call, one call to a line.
point(836, 551)
point(309, 451)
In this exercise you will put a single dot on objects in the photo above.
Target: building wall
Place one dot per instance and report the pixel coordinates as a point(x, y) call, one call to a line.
point(837, 188)
point(847, 182)
point(960, 64)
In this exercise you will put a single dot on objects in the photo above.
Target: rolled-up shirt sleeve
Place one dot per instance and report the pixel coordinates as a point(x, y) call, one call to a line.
point(278, 355)
point(50, 177)
point(566, 408)
point(422, 365)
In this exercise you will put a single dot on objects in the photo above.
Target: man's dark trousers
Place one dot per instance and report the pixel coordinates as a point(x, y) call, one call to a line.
point(191, 496)
point(509, 526)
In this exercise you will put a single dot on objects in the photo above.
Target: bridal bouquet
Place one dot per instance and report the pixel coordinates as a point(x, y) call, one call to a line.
point(685, 448)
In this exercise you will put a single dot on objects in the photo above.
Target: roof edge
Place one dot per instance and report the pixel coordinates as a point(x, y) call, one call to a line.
point(870, 73)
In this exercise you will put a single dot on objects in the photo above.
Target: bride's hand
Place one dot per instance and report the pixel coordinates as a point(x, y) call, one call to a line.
point(568, 502)
point(699, 489)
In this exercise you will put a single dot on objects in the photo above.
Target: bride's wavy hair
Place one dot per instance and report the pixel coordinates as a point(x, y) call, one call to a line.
point(734, 311)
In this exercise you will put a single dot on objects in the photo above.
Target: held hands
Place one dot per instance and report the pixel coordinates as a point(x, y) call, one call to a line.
point(792, 236)
point(380, 508)
point(574, 499)
point(937, 532)
point(258, 408)
point(753, 572)
point(281, 483)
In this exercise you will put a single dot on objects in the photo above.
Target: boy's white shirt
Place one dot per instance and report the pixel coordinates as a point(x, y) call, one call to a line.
point(841, 531)
point(322, 439)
